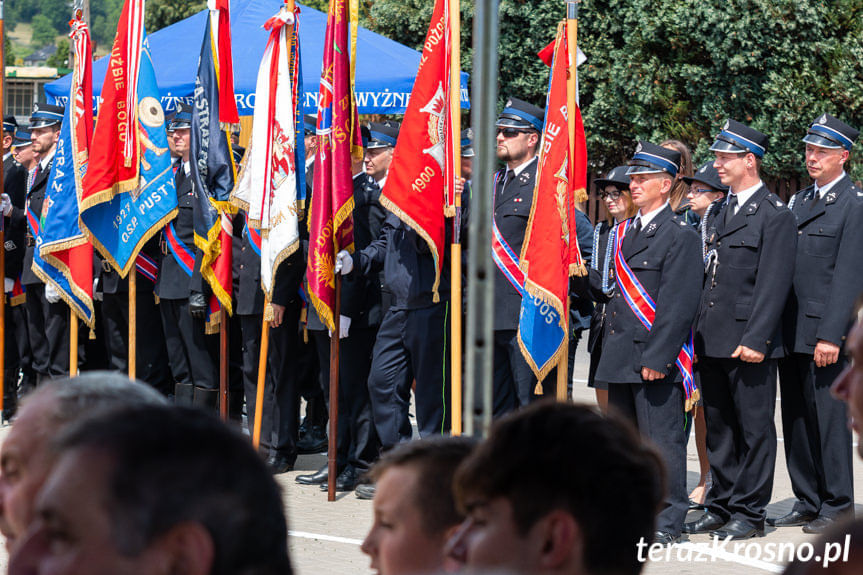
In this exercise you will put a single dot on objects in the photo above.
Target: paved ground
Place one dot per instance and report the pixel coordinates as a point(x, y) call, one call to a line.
point(325, 537)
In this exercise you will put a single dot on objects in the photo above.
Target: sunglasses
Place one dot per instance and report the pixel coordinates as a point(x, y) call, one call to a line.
point(615, 195)
point(697, 191)
point(510, 132)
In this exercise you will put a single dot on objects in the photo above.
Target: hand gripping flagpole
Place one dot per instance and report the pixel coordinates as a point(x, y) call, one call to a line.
point(572, 52)
point(455, 275)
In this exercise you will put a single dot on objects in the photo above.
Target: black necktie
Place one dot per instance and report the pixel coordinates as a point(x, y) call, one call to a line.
point(730, 208)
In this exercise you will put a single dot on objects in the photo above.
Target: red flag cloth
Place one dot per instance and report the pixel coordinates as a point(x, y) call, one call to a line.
point(414, 190)
point(550, 253)
point(227, 102)
point(113, 167)
point(547, 53)
point(331, 226)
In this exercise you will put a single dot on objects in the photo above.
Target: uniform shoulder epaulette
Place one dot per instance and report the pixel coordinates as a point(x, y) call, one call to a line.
point(774, 200)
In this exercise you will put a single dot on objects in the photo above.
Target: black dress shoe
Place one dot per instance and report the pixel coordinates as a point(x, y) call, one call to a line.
point(818, 525)
point(314, 441)
point(346, 481)
point(665, 538)
point(279, 464)
point(792, 519)
point(737, 529)
point(315, 478)
point(365, 491)
point(704, 524)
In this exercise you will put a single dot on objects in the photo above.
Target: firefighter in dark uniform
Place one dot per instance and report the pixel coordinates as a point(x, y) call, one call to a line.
point(645, 384)
point(22, 150)
point(750, 239)
point(361, 314)
point(47, 315)
point(519, 126)
point(828, 275)
point(411, 341)
point(151, 354)
point(280, 415)
point(181, 290)
point(15, 242)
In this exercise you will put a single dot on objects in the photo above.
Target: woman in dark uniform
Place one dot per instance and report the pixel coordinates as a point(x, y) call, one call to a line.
point(678, 199)
point(618, 204)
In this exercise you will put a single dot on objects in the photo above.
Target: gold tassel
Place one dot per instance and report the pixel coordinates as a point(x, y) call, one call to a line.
point(92, 334)
point(538, 389)
point(269, 314)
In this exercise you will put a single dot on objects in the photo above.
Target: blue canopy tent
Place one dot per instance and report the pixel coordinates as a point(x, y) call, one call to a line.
point(385, 70)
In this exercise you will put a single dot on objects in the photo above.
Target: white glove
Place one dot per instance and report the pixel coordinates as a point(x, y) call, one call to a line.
point(8, 284)
point(97, 293)
point(51, 294)
point(5, 204)
point(344, 327)
point(344, 263)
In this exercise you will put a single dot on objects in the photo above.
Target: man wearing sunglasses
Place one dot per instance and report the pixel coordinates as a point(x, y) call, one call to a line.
point(828, 273)
point(518, 135)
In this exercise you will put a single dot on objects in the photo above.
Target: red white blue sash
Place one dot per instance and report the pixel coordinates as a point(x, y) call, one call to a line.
point(254, 238)
point(32, 221)
point(147, 266)
point(644, 308)
point(504, 257)
point(181, 252)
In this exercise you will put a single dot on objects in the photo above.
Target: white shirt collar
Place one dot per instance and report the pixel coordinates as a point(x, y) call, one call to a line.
point(826, 187)
point(6, 156)
point(519, 169)
point(646, 218)
point(187, 168)
point(43, 163)
point(309, 162)
point(382, 181)
point(743, 196)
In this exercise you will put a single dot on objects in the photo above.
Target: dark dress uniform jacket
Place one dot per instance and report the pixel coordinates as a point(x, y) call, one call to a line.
point(666, 259)
point(15, 185)
point(511, 213)
point(742, 301)
point(408, 265)
point(36, 197)
point(173, 282)
point(828, 271)
point(286, 288)
point(361, 295)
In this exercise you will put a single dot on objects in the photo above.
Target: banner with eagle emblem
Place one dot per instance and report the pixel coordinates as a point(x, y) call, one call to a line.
point(419, 187)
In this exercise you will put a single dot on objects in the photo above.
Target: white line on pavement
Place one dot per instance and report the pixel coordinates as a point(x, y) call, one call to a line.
point(733, 557)
point(321, 537)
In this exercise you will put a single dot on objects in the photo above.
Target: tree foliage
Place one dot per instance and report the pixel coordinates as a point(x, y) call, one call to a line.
point(43, 31)
point(161, 13)
point(661, 69)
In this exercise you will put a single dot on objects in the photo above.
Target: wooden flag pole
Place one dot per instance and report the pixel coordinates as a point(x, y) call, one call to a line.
point(262, 374)
point(133, 320)
point(572, 51)
point(223, 365)
point(73, 343)
point(332, 470)
point(2, 227)
point(455, 261)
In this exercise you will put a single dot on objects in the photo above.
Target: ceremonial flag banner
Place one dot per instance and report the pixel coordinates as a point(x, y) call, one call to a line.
point(331, 226)
point(550, 252)
point(129, 192)
point(213, 174)
point(64, 256)
point(225, 69)
point(419, 185)
point(267, 186)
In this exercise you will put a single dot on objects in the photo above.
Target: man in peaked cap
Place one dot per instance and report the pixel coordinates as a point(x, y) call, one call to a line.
point(14, 192)
point(828, 275)
point(47, 315)
point(411, 343)
point(519, 126)
point(181, 288)
point(467, 154)
point(662, 254)
point(750, 241)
